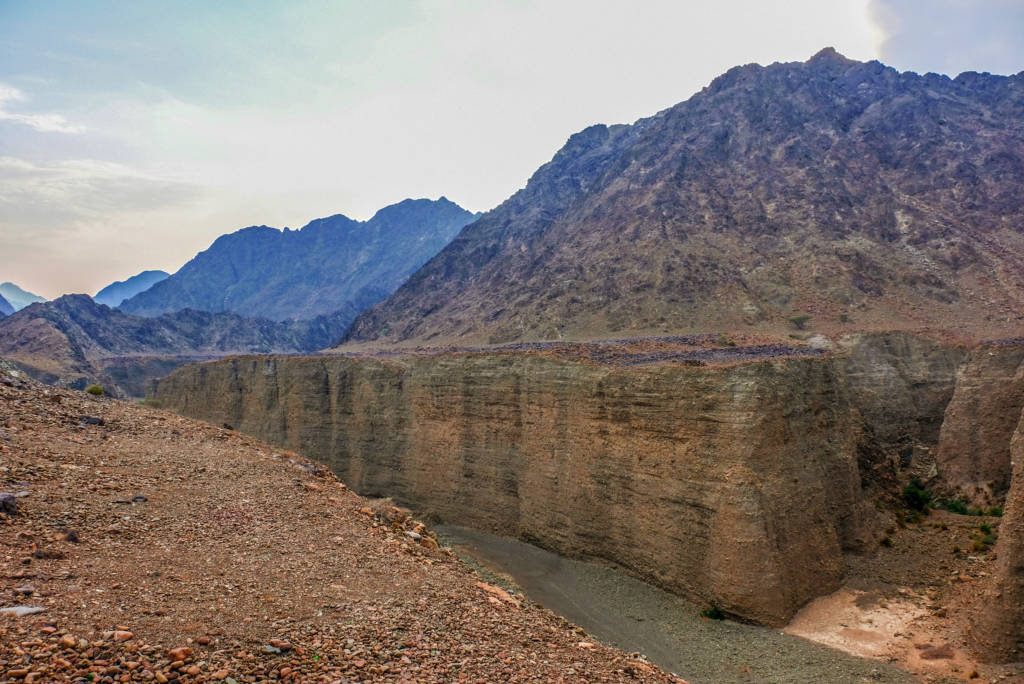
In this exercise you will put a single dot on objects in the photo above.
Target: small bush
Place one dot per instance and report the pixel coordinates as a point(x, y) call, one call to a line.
point(916, 497)
point(886, 542)
point(800, 322)
point(996, 511)
point(712, 613)
point(975, 511)
point(985, 527)
point(844, 318)
point(94, 390)
point(957, 505)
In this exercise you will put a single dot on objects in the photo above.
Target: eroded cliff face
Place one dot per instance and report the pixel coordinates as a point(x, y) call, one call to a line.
point(974, 445)
point(998, 628)
point(738, 485)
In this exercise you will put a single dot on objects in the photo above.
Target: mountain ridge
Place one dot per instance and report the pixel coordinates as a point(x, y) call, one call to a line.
point(120, 290)
point(847, 192)
point(17, 297)
point(74, 340)
point(331, 264)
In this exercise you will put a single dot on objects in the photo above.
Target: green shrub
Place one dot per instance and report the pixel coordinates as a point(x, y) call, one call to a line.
point(996, 511)
point(800, 322)
point(844, 318)
point(915, 496)
point(957, 505)
point(985, 527)
point(94, 390)
point(975, 511)
point(713, 613)
point(886, 542)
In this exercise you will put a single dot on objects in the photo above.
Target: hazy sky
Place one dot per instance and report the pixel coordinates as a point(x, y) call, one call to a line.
point(134, 133)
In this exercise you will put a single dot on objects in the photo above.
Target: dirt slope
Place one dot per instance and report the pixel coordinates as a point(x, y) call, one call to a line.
point(139, 532)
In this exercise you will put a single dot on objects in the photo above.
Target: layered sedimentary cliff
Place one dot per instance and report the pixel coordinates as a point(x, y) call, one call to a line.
point(974, 446)
point(739, 485)
point(998, 629)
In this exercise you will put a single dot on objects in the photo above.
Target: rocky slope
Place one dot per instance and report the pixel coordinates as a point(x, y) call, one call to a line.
point(332, 264)
point(17, 297)
point(75, 341)
point(117, 292)
point(157, 548)
point(864, 198)
point(5, 307)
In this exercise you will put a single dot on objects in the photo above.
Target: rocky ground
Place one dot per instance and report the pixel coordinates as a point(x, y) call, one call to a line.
point(140, 546)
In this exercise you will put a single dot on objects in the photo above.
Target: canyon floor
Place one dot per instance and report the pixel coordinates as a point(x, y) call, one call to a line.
point(160, 548)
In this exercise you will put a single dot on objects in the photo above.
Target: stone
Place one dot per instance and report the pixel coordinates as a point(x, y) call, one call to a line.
point(22, 611)
point(8, 504)
point(179, 653)
point(122, 635)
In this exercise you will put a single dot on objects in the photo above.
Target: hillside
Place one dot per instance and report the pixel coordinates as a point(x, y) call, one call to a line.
point(332, 264)
point(17, 297)
point(159, 548)
point(843, 191)
point(75, 341)
point(5, 307)
point(118, 291)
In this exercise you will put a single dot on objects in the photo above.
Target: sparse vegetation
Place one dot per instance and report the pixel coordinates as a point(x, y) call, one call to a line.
point(957, 505)
point(95, 390)
point(885, 541)
point(800, 322)
point(996, 511)
point(844, 317)
point(712, 613)
point(916, 496)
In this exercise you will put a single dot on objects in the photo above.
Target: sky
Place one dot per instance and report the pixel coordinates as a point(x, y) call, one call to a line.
point(134, 133)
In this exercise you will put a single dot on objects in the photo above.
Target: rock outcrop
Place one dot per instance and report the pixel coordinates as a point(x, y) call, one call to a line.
point(738, 484)
point(974, 447)
point(998, 628)
point(735, 485)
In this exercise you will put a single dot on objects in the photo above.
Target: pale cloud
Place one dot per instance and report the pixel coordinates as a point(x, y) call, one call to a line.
point(79, 222)
point(951, 36)
point(44, 123)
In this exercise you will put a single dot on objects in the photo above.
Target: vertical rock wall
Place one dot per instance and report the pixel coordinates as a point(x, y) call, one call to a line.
point(998, 625)
point(737, 486)
point(974, 445)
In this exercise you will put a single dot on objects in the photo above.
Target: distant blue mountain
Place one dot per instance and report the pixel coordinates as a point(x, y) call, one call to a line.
point(115, 293)
point(17, 297)
point(5, 307)
point(332, 264)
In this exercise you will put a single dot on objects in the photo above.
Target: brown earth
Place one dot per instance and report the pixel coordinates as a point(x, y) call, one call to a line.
point(162, 548)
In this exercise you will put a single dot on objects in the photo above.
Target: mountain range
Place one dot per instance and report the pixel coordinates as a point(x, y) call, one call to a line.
point(829, 194)
point(331, 265)
point(75, 341)
point(17, 297)
point(5, 307)
point(118, 291)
